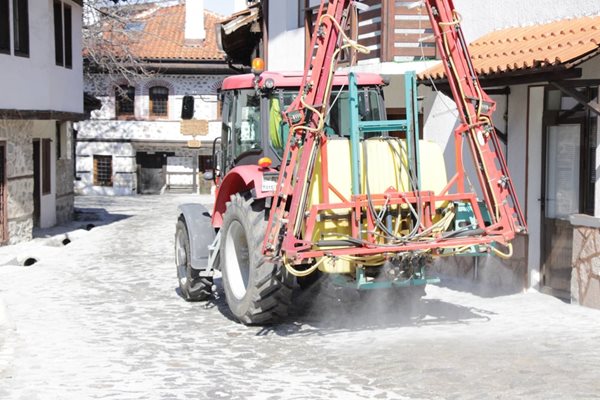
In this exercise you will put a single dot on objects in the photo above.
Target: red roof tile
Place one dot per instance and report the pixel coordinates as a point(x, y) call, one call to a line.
point(159, 34)
point(546, 45)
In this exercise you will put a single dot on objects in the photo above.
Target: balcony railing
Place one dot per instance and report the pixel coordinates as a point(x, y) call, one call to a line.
point(394, 31)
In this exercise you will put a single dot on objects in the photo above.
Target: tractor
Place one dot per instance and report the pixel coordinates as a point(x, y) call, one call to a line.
point(313, 181)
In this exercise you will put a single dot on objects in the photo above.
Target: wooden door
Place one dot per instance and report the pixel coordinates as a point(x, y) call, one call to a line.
point(561, 199)
point(36, 183)
point(3, 195)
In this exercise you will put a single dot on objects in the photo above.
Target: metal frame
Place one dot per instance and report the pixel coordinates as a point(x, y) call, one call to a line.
point(307, 138)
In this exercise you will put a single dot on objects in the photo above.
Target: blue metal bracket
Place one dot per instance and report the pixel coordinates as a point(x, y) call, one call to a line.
point(410, 125)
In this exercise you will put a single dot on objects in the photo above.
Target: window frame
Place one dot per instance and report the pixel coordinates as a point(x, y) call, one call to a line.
point(123, 93)
point(63, 34)
point(21, 28)
point(3, 193)
point(59, 58)
point(68, 35)
point(157, 102)
point(46, 166)
point(5, 27)
point(99, 161)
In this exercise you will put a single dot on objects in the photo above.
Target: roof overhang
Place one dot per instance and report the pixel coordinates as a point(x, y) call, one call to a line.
point(186, 67)
point(239, 35)
point(41, 115)
point(176, 67)
point(530, 54)
point(514, 77)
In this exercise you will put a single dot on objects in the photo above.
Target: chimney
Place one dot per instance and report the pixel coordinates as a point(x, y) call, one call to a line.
point(194, 20)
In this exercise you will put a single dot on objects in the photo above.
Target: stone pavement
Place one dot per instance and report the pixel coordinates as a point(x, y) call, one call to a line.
point(100, 318)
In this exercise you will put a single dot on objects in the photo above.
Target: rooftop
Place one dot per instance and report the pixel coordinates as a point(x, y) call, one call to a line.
point(163, 37)
point(158, 34)
point(566, 43)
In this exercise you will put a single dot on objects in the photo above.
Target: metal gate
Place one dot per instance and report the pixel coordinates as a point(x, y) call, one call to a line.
point(3, 194)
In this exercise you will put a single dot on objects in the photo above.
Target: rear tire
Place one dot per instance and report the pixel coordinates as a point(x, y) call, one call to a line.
point(258, 292)
point(192, 286)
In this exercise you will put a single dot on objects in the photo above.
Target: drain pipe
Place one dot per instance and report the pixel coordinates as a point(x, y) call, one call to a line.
point(27, 261)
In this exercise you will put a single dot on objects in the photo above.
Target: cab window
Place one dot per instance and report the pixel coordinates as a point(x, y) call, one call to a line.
point(246, 127)
point(337, 123)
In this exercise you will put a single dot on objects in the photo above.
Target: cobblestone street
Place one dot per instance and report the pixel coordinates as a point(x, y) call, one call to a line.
point(100, 318)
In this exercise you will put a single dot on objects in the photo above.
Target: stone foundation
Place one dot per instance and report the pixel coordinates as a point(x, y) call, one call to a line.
point(19, 135)
point(19, 174)
point(64, 190)
point(585, 279)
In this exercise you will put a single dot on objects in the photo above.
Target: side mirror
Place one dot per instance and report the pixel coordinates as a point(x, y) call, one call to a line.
point(208, 176)
point(187, 107)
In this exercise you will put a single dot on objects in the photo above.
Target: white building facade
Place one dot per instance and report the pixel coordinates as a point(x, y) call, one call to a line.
point(42, 94)
point(135, 141)
point(144, 153)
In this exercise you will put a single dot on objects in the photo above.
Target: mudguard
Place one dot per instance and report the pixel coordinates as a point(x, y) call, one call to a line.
point(244, 178)
point(200, 231)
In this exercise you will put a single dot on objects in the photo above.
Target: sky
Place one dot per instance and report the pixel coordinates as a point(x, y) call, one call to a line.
point(223, 7)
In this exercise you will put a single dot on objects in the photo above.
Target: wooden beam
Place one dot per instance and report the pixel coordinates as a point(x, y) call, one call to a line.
point(41, 115)
point(569, 91)
point(510, 79)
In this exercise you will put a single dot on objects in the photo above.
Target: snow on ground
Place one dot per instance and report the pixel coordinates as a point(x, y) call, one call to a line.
point(99, 318)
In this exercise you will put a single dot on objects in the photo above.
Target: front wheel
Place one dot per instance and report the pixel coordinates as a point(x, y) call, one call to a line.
point(258, 292)
point(191, 285)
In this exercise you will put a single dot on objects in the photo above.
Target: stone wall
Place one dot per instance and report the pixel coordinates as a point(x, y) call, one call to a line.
point(64, 190)
point(64, 177)
point(19, 173)
point(123, 165)
point(585, 279)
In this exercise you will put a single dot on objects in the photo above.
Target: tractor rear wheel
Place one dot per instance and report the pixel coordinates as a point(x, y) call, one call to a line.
point(191, 285)
point(258, 292)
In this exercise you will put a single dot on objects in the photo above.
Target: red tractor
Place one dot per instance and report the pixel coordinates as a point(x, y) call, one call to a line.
point(310, 181)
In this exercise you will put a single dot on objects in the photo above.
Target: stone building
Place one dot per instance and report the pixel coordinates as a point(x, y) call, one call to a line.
point(133, 142)
point(42, 94)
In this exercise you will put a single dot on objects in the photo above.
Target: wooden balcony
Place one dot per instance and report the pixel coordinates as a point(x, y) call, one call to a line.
point(394, 31)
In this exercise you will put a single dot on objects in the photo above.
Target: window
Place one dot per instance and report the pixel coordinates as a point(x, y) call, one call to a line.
point(246, 129)
point(63, 46)
point(307, 10)
point(21, 27)
point(103, 171)
point(159, 101)
point(68, 37)
point(135, 26)
point(3, 194)
point(570, 143)
point(205, 163)
point(337, 122)
point(58, 37)
point(58, 136)
point(4, 27)
point(46, 166)
point(124, 100)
